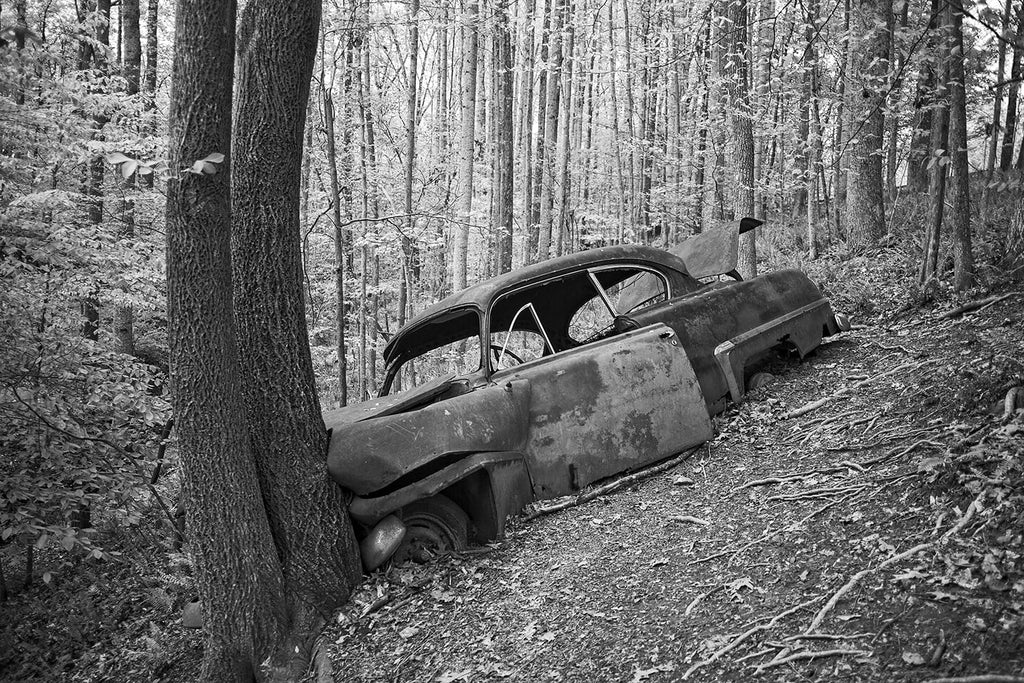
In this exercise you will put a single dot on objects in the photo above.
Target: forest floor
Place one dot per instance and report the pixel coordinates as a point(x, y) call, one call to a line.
point(875, 537)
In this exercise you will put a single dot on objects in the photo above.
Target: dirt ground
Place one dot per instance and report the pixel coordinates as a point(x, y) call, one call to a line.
point(876, 537)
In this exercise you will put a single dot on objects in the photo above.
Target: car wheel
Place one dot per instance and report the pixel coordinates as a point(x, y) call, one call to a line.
point(433, 526)
point(759, 379)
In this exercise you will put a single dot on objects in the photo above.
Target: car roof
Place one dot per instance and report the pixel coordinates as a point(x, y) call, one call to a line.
point(480, 295)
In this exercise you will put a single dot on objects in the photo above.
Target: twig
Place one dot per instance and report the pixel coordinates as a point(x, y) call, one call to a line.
point(696, 601)
point(825, 636)
point(612, 486)
point(983, 678)
point(808, 654)
point(743, 636)
point(690, 519)
point(855, 579)
point(814, 405)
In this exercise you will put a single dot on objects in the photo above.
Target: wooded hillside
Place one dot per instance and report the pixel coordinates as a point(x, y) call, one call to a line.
point(443, 143)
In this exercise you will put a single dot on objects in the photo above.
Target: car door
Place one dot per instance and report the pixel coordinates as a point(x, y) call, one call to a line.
point(609, 406)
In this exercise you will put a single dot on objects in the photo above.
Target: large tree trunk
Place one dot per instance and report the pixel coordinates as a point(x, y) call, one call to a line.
point(959, 184)
point(237, 569)
point(306, 510)
point(466, 146)
point(866, 80)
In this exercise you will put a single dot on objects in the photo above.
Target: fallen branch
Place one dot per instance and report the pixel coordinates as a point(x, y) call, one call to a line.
point(614, 485)
point(808, 654)
point(855, 579)
point(743, 636)
point(975, 305)
point(814, 405)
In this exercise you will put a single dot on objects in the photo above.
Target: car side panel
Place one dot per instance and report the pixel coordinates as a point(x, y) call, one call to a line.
point(705, 320)
point(609, 407)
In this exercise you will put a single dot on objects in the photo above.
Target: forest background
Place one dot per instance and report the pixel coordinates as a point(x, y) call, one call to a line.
point(446, 143)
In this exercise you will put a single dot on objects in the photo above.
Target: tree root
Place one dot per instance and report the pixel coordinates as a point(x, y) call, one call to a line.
point(976, 305)
point(814, 405)
point(736, 642)
point(800, 476)
point(613, 486)
point(855, 579)
point(808, 654)
point(983, 678)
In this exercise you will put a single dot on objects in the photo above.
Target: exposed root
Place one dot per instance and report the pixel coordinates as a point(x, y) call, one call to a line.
point(976, 305)
point(736, 642)
point(808, 654)
point(983, 678)
point(845, 466)
point(855, 579)
point(814, 405)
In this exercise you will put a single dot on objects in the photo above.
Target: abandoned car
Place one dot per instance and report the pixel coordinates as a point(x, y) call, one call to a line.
point(537, 383)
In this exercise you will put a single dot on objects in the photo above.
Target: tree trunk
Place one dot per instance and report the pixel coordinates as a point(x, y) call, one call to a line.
point(939, 165)
point(1006, 158)
point(866, 85)
point(738, 72)
point(503, 157)
point(305, 509)
point(918, 173)
point(409, 251)
point(550, 137)
point(560, 218)
point(466, 146)
point(959, 182)
point(237, 568)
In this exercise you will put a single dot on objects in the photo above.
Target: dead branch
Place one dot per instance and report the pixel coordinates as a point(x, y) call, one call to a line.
point(746, 634)
point(808, 654)
point(855, 579)
point(975, 305)
point(814, 405)
point(614, 485)
point(983, 678)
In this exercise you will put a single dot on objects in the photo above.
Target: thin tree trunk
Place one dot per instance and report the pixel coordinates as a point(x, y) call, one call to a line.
point(466, 145)
point(551, 104)
point(739, 66)
point(937, 178)
point(959, 181)
point(504, 192)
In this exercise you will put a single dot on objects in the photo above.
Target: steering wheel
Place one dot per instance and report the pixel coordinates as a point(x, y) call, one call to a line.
point(498, 355)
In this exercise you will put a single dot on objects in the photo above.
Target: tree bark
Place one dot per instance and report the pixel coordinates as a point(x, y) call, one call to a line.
point(940, 161)
point(237, 570)
point(305, 509)
point(466, 146)
point(959, 182)
point(743, 132)
point(866, 79)
point(550, 137)
point(503, 157)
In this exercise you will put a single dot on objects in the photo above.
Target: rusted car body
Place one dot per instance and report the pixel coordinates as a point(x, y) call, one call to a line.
point(551, 378)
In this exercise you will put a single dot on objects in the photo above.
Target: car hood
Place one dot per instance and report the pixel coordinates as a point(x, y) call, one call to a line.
point(411, 438)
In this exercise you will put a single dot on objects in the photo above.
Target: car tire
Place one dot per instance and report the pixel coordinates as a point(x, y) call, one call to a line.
point(759, 379)
point(434, 526)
